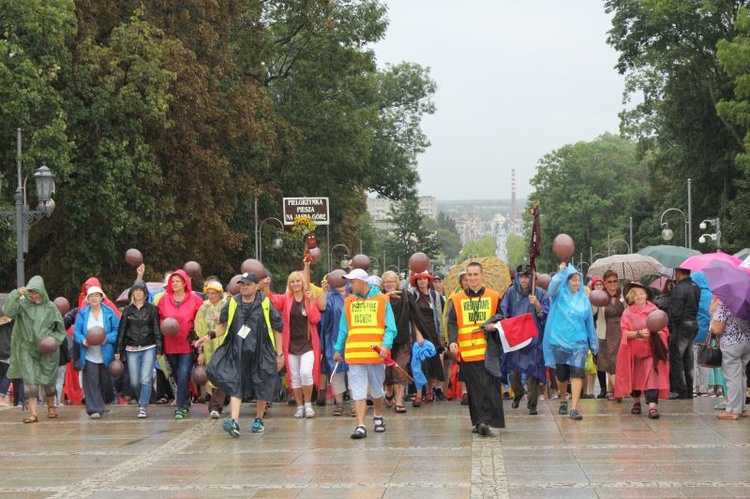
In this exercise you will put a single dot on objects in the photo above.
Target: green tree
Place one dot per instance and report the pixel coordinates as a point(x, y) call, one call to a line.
point(408, 235)
point(482, 247)
point(517, 249)
point(588, 190)
point(668, 53)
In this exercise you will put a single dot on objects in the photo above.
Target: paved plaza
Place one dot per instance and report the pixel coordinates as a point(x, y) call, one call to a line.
point(427, 452)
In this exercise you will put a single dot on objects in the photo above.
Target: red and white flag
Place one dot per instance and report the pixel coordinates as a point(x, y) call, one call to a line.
point(516, 332)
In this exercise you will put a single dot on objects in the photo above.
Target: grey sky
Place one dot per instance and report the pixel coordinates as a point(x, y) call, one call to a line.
point(516, 80)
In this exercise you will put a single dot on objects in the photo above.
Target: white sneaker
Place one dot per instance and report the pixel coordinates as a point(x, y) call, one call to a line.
point(142, 413)
point(300, 412)
point(215, 414)
point(95, 415)
point(309, 413)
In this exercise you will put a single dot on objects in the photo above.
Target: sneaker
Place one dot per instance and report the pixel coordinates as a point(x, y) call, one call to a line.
point(142, 413)
point(533, 411)
point(352, 410)
point(721, 407)
point(359, 432)
point(309, 413)
point(574, 414)
point(300, 412)
point(563, 408)
point(258, 426)
point(232, 427)
point(475, 428)
point(339, 410)
point(602, 395)
point(321, 400)
point(379, 424)
point(180, 414)
point(95, 415)
point(214, 414)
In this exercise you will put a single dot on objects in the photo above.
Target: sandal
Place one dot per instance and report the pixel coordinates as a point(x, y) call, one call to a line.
point(51, 412)
point(400, 409)
point(339, 410)
point(417, 402)
point(636, 409)
point(162, 400)
point(389, 401)
point(429, 397)
point(653, 413)
point(31, 419)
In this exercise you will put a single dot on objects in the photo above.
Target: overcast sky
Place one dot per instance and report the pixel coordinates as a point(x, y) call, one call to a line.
point(516, 79)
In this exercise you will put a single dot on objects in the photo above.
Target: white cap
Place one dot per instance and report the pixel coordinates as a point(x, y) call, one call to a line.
point(357, 274)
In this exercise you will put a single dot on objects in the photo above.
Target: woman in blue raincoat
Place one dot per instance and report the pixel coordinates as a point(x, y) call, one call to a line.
point(569, 334)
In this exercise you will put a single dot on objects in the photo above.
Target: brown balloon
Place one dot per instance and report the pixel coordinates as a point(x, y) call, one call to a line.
point(200, 375)
point(543, 280)
point(234, 284)
point(254, 266)
point(134, 257)
point(170, 326)
point(62, 304)
point(336, 278)
point(96, 335)
point(599, 298)
point(656, 321)
point(563, 247)
point(193, 269)
point(315, 254)
point(116, 368)
point(48, 345)
point(419, 262)
point(360, 262)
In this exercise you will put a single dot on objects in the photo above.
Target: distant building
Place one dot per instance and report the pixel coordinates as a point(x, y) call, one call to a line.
point(380, 209)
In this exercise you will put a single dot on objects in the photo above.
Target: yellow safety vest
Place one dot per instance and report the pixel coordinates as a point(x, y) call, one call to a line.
point(266, 305)
point(366, 322)
point(471, 313)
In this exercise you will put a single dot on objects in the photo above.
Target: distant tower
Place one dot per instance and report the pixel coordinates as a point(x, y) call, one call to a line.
point(513, 204)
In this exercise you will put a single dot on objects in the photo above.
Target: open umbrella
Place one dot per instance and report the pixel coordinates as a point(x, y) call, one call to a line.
point(743, 253)
point(700, 262)
point(496, 274)
point(630, 267)
point(746, 264)
point(732, 286)
point(668, 255)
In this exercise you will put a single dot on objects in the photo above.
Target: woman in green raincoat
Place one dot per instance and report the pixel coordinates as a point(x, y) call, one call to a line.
point(35, 318)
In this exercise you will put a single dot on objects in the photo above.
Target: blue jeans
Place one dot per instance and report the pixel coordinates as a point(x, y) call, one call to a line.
point(141, 371)
point(181, 364)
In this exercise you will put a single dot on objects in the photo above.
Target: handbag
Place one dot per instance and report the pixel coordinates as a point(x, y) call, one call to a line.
point(709, 355)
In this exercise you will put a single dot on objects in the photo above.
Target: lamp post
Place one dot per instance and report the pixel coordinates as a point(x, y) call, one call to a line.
point(613, 241)
point(345, 261)
point(277, 242)
point(716, 236)
point(24, 216)
point(667, 234)
point(375, 265)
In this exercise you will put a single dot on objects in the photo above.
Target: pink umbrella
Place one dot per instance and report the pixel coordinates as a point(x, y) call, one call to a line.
point(700, 262)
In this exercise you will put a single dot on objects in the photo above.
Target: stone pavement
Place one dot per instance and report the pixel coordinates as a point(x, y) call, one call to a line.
point(427, 452)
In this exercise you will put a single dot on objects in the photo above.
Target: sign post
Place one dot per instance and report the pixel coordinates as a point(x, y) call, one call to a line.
point(315, 209)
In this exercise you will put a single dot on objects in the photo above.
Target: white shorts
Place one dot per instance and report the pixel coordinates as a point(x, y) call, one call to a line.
point(364, 376)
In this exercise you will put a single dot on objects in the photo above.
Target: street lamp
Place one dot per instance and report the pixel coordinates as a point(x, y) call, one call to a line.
point(277, 242)
point(375, 265)
point(344, 261)
point(667, 234)
point(24, 216)
point(613, 241)
point(716, 236)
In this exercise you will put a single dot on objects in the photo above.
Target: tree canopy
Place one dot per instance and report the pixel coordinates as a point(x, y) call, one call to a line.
point(164, 121)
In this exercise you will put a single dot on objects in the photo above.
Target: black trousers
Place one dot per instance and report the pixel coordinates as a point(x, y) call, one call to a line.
point(485, 403)
point(681, 362)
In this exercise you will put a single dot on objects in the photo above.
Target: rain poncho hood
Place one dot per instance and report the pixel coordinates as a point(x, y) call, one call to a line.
point(569, 332)
point(33, 321)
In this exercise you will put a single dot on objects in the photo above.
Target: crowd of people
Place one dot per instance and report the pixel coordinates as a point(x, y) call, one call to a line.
point(369, 340)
